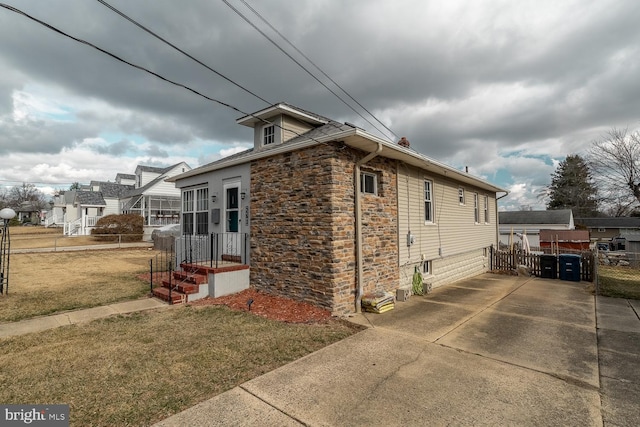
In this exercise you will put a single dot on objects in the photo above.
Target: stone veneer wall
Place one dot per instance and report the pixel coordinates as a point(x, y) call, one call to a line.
point(303, 226)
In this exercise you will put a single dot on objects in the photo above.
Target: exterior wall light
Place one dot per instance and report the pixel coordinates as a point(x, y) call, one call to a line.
point(6, 214)
point(213, 198)
point(243, 194)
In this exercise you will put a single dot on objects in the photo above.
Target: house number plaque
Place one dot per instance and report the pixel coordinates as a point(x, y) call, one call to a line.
point(246, 215)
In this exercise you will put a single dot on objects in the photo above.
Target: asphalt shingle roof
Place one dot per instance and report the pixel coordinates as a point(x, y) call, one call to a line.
point(92, 198)
point(561, 216)
point(615, 222)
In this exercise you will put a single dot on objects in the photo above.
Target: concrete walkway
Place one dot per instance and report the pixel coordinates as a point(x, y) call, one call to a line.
point(493, 350)
point(43, 323)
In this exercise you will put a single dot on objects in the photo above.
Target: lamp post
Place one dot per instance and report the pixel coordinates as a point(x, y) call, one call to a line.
point(6, 214)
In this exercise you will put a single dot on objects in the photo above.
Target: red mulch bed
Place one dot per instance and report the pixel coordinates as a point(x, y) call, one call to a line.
point(265, 305)
point(269, 306)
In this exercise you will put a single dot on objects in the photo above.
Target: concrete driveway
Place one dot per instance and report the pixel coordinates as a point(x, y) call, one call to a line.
point(492, 350)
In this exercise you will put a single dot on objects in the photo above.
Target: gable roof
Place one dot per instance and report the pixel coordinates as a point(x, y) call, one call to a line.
point(560, 216)
point(90, 198)
point(153, 169)
point(113, 190)
point(282, 108)
point(348, 134)
point(125, 176)
point(140, 190)
point(615, 222)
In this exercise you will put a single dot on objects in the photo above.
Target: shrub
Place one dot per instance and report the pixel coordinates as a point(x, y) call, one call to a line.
point(130, 226)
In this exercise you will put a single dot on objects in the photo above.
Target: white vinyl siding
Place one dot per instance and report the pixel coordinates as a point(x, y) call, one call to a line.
point(453, 231)
point(293, 128)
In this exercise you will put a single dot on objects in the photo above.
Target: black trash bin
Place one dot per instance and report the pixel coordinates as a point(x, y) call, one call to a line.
point(548, 267)
point(570, 267)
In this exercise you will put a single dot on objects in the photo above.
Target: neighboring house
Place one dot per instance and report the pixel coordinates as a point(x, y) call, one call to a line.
point(29, 212)
point(157, 200)
point(531, 222)
point(86, 209)
point(605, 229)
point(332, 212)
point(145, 193)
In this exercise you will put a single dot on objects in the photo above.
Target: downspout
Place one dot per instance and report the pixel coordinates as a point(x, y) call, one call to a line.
point(358, 218)
point(506, 193)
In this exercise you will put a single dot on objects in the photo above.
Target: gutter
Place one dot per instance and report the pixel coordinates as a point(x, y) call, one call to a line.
point(358, 218)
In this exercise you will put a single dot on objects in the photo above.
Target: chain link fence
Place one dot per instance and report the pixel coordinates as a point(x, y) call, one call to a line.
point(618, 274)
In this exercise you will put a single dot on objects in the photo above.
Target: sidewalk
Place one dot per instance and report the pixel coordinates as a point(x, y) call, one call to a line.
point(44, 323)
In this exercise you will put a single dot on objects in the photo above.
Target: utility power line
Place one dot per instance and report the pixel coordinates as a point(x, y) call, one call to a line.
point(116, 57)
point(315, 65)
point(134, 22)
point(255, 27)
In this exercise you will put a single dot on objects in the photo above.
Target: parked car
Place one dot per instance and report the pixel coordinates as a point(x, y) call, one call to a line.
point(603, 246)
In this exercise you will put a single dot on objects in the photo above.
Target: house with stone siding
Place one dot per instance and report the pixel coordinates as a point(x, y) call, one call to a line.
point(333, 212)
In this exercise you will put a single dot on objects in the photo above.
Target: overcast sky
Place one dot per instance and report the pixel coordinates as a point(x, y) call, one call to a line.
point(507, 88)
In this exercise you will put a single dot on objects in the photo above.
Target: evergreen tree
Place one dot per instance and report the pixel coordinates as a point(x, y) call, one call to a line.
point(572, 187)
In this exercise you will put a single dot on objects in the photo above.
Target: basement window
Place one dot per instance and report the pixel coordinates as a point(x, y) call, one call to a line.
point(426, 267)
point(368, 183)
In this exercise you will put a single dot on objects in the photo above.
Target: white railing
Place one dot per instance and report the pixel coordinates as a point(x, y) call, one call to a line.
point(72, 228)
point(51, 219)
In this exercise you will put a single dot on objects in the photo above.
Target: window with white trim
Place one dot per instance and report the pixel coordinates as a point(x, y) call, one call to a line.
point(426, 267)
point(187, 212)
point(476, 208)
point(486, 209)
point(268, 135)
point(461, 195)
point(428, 201)
point(368, 183)
point(195, 211)
point(202, 211)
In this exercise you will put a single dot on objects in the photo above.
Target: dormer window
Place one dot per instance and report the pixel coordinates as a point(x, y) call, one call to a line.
point(268, 135)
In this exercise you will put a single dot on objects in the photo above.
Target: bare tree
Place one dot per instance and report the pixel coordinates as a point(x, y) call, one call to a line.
point(26, 193)
point(615, 162)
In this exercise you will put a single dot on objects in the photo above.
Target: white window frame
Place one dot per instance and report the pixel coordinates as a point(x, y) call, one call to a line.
point(268, 134)
point(195, 205)
point(486, 209)
point(602, 230)
point(461, 196)
point(363, 183)
point(428, 202)
point(427, 268)
point(476, 208)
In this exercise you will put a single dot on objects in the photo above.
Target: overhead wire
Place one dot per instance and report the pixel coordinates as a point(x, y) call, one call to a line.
point(264, 20)
point(142, 27)
point(116, 57)
point(255, 27)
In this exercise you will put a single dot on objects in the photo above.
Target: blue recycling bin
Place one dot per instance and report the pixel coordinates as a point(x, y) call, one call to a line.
point(569, 267)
